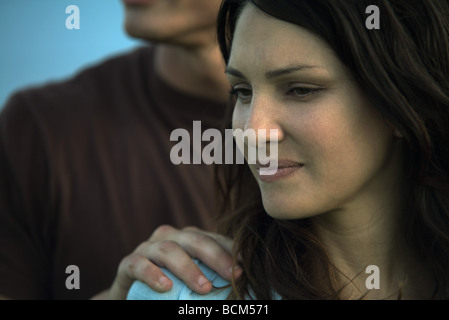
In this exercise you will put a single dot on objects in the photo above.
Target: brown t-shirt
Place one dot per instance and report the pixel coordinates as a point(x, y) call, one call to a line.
point(86, 175)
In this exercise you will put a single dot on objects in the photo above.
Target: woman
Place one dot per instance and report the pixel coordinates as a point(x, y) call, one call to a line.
point(363, 176)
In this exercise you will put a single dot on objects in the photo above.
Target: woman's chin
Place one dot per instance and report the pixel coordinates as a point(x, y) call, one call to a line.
point(288, 210)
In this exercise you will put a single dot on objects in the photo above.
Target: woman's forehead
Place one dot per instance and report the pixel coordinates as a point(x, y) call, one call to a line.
point(267, 43)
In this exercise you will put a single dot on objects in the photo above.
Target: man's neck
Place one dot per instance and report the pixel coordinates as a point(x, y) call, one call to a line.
point(197, 71)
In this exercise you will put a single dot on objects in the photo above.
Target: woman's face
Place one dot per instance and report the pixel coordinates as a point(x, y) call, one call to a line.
point(335, 151)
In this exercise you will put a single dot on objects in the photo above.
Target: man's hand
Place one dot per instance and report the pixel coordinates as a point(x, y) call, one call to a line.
point(174, 249)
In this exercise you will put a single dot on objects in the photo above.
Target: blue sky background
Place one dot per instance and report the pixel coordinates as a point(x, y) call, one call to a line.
point(36, 47)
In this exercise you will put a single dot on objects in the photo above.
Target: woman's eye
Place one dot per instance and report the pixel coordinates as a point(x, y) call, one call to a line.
point(241, 93)
point(302, 92)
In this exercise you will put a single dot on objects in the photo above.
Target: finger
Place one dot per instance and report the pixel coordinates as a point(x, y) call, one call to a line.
point(164, 232)
point(139, 267)
point(212, 249)
point(171, 255)
point(224, 241)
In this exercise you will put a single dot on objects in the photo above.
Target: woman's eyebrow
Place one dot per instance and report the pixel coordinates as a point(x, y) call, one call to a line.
point(234, 72)
point(287, 70)
point(273, 73)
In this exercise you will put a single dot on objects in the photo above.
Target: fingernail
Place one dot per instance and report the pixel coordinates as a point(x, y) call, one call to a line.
point(202, 281)
point(237, 271)
point(163, 281)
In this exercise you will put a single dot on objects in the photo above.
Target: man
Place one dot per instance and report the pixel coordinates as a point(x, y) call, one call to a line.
point(85, 165)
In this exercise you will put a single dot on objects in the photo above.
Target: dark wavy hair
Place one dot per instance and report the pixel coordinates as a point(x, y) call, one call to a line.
point(403, 69)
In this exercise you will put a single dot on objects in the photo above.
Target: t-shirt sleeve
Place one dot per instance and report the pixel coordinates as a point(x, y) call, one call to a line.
point(221, 288)
point(25, 236)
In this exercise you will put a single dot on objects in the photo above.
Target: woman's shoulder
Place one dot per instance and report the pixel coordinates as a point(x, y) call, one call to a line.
point(221, 288)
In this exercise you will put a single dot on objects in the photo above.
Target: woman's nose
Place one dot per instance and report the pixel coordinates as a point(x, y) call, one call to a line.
point(264, 122)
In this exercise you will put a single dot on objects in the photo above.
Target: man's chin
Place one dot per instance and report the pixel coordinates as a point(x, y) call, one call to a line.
point(138, 31)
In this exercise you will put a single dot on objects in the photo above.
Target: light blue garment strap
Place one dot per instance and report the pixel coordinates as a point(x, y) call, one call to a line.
point(179, 291)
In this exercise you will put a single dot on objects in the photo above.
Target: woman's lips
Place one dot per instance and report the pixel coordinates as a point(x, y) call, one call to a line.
point(284, 169)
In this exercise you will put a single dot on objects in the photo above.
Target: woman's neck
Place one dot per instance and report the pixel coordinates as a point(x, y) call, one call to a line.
point(353, 245)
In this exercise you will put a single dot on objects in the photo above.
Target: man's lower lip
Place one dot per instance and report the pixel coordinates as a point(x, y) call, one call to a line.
point(279, 174)
point(138, 2)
